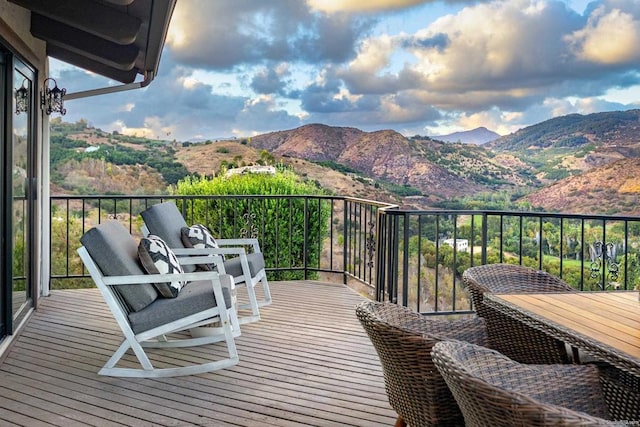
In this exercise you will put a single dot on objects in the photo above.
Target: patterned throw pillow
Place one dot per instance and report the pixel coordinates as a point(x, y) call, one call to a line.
point(158, 258)
point(198, 236)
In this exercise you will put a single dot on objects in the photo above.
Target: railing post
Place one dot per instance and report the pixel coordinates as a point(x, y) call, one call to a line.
point(455, 259)
point(436, 239)
point(392, 277)
point(626, 254)
point(306, 238)
point(387, 257)
point(485, 239)
point(405, 260)
point(345, 241)
point(392, 258)
point(380, 254)
point(540, 252)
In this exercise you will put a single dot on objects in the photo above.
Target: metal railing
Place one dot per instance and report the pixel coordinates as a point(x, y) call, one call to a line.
point(415, 258)
point(422, 254)
point(302, 237)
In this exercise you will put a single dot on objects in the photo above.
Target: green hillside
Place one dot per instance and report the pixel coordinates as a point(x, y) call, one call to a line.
point(563, 164)
point(574, 144)
point(83, 157)
point(573, 130)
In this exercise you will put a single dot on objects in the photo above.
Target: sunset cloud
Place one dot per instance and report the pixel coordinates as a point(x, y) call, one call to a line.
point(416, 66)
point(483, 51)
point(152, 128)
point(478, 60)
point(361, 5)
point(224, 35)
point(611, 36)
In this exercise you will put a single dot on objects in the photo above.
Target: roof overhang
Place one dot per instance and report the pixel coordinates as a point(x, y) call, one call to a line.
point(118, 39)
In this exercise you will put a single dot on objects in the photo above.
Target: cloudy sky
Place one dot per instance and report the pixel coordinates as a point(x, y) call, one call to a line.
point(245, 67)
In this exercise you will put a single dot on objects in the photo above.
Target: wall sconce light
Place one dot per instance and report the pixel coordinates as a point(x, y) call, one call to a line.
point(22, 99)
point(51, 99)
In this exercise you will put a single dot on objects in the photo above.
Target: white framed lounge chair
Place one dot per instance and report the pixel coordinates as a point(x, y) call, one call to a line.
point(247, 268)
point(147, 320)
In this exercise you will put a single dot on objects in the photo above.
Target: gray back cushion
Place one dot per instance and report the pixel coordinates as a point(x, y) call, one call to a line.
point(116, 253)
point(165, 221)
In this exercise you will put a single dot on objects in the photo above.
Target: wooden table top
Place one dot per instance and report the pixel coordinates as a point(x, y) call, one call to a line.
point(606, 324)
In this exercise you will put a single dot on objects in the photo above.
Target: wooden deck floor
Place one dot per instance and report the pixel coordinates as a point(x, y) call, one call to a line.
point(307, 362)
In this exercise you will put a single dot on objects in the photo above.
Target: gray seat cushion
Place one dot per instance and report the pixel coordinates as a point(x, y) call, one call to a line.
point(165, 221)
point(116, 253)
point(193, 298)
point(233, 267)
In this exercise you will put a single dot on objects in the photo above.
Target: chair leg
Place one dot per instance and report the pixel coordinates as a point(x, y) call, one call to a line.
point(400, 422)
point(253, 299)
point(254, 304)
point(235, 323)
point(267, 292)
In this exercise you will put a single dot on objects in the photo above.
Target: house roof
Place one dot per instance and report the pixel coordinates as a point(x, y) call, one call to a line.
point(118, 39)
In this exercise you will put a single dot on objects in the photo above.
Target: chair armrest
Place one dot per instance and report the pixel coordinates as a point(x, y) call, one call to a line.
point(208, 251)
point(621, 391)
point(208, 259)
point(576, 387)
point(196, 260)
point(240, 242)
point(139, 279)
point(189, 256)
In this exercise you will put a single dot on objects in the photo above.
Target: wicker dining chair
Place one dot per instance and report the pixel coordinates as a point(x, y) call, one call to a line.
point(621, 391)
point(493, 390)
point(509, 336)
point(403, 340)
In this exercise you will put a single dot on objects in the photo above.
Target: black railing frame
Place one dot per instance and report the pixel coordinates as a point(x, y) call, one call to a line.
point(394, 223)
point(376, 239)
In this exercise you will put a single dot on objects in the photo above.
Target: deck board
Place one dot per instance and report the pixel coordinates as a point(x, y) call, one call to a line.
point(307, 362)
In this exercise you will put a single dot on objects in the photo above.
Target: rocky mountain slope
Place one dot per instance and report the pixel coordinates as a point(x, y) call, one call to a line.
point(435, 168)
point(610, 189)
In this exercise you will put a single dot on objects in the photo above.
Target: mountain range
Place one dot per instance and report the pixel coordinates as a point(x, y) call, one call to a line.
point(434, 168)
point(575, 163)
point(479, 135)
point(585, 164)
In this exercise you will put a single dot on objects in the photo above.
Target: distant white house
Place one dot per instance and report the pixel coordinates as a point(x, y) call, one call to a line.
point(461, 245)
point(271, 170)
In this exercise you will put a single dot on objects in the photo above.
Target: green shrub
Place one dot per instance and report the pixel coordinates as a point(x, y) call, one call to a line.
point(278, 223)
